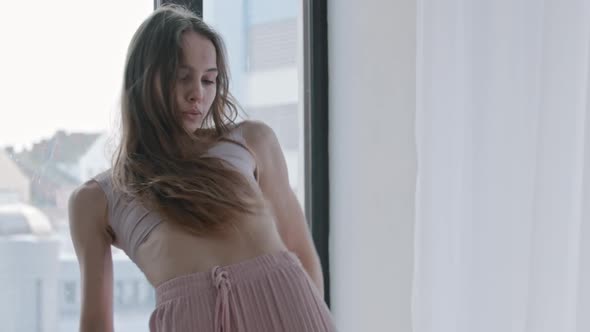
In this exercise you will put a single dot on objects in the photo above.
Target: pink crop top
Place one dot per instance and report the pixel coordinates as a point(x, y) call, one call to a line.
point(132, 222)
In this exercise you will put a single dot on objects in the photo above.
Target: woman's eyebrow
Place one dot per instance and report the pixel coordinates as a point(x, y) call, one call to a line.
point(212, 69)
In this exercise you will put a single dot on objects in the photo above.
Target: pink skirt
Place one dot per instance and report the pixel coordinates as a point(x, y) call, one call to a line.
point(267, 293)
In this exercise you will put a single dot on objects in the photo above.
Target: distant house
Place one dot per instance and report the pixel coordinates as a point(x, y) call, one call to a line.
point(53, 169)
point(14, 184)
point(65, 150)
point(97, 158)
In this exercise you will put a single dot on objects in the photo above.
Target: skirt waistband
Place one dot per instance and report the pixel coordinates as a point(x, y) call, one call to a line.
point(235, 273)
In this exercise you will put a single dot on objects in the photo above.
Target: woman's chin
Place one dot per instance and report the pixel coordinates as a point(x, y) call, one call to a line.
point(192, 126)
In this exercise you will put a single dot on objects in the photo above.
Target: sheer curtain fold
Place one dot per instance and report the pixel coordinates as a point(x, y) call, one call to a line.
point(503, 135)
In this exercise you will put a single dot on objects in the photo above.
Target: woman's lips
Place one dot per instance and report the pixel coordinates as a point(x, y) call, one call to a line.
point(192, 114)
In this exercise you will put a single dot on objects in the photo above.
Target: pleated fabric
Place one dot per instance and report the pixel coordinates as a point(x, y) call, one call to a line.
point(267, 293)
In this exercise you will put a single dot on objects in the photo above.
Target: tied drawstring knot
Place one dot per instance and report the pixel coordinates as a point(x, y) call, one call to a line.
point(223, 286)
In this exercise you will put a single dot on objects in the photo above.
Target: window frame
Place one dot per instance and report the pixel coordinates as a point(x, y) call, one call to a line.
point(316, 123)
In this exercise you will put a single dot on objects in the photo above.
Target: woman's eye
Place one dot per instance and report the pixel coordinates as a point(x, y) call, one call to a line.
point(208, 82)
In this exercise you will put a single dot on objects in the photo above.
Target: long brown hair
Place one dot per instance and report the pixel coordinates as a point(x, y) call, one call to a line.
point(158, 161)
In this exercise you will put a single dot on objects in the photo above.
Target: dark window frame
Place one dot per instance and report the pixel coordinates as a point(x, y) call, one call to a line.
point(317, 181)
point(317, 184)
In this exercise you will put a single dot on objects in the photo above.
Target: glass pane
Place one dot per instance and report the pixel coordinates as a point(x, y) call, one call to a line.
point(264, 46)
point(61, 65)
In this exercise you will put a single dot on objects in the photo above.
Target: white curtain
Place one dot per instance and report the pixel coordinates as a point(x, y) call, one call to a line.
point(503, 192)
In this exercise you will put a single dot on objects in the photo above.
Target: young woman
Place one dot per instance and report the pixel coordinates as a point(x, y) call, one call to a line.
point(200, 203)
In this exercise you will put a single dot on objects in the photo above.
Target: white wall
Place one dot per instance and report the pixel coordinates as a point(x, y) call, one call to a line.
point(372, 162)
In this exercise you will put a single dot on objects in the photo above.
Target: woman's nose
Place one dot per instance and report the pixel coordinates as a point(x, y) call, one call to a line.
point(196, 93)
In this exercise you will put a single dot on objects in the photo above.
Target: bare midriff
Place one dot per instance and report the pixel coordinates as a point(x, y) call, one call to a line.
point(170, 252)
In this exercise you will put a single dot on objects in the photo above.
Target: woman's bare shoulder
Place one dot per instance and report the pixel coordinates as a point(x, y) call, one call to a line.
point(89, 193)
point(263, 142)
point(257, 133)
point(88, 202)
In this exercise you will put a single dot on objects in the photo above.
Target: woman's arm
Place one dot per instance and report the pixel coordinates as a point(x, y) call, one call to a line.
point(274, 182)
point(92, 243)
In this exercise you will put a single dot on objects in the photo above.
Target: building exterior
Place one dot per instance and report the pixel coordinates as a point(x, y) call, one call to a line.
point(40, 278)
point(262, 39)
point(97, 158)
point(14, 184)
point(29, 270)
point(134, 297)
point(53, 168)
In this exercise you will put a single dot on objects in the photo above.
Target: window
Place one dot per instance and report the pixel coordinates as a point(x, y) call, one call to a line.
point(63, 73)
point(61, 65)
point(70, 288)
point(263, 41)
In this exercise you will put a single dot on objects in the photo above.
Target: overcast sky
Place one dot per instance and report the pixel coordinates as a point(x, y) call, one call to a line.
point(61, 65)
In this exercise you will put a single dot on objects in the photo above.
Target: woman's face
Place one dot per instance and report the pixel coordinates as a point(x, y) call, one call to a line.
point(196, 81)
